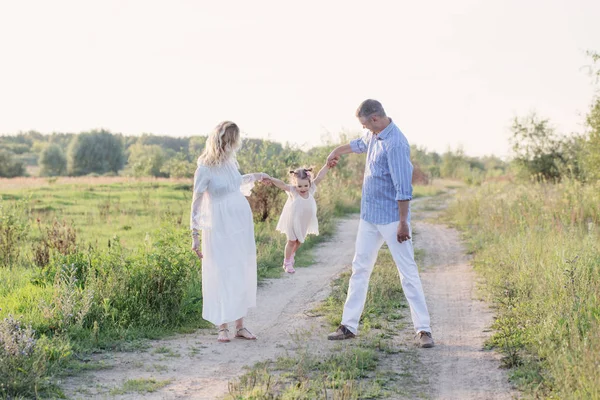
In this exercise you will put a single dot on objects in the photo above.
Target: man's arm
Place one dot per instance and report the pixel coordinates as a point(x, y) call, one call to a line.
point(403, 233)
point(401, 173)
point(339, 151)
point(355, 146)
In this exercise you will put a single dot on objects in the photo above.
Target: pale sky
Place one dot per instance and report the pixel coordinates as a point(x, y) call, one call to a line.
point(449, 73)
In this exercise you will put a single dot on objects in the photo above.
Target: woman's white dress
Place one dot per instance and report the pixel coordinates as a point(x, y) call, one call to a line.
point(221, 210)
point(299, 215)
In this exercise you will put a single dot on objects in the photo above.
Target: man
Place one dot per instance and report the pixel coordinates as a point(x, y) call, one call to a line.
point(384, 217)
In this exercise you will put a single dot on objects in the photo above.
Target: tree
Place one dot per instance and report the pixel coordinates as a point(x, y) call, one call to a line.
point(539, 151)
point(53, 161)
point(591, 145)
point(96, 152)
point(146, 160)
point(196, 146)
point(591, 151)
point(10, 167)
point(179, 167)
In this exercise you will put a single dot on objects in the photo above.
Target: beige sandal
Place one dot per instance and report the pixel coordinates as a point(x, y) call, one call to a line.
point(239, 336)
point(223, 339)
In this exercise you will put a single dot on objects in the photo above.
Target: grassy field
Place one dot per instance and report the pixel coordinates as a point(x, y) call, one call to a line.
point(538, 248)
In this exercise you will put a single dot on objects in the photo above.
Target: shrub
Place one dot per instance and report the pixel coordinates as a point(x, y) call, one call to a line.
point(26, 363)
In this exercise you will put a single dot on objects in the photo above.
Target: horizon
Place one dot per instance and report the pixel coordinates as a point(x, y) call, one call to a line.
point(450, 75)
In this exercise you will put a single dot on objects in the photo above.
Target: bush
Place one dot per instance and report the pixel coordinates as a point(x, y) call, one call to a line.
point(26, 362)
point(10, 167)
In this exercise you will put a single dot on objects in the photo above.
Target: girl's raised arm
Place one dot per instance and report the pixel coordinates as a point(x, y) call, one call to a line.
point(321, 174)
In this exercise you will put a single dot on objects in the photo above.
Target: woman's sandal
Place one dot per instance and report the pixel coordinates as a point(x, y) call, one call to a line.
point(289, 267)
point(224, 339)
point(250, 337)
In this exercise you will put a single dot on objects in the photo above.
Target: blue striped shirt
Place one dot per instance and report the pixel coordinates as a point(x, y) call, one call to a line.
point(388, 174)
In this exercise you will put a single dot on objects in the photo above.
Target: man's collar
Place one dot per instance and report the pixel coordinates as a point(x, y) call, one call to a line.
point(386, 131)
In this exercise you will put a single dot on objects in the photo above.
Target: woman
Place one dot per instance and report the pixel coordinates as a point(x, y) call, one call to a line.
point(222, 213)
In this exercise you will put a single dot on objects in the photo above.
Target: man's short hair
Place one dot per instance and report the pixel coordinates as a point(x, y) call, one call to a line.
point(370, 107)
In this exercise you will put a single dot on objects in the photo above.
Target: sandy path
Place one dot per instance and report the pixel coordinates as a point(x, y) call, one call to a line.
point(200, 368)
point(458, 366)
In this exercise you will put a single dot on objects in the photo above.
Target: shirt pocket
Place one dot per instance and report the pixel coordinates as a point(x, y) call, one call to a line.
point(379, 163)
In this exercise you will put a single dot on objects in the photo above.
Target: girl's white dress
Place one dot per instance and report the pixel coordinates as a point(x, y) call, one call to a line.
point(299, 215)
point(221, 210)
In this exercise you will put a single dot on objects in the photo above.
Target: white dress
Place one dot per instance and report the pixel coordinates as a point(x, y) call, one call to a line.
point(221, 211)
point(299, 215)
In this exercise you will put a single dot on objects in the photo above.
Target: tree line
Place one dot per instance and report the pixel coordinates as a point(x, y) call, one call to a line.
point(101, 152)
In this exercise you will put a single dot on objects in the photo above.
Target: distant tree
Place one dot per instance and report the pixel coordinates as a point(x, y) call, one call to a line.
point(146, 160)
point(96, 152)
point(179, 167)
point(591, 151)
point(61, 139)
point(541, 153)
point(196, 146)
point(591, 144)
point(10, 167)
point(53, 161)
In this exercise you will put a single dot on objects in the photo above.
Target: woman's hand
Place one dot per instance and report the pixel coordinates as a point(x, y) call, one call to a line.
point(196, 247)
point(265, 179)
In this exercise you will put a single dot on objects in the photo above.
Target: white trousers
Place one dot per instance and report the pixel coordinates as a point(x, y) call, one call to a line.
point(369, 240)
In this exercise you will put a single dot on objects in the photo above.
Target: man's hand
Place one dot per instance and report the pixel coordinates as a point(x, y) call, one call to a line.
point(403, 233)
point(333, 159)
point(196, 247)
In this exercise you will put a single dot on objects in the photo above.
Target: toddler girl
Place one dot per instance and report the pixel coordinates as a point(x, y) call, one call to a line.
point(299, 215)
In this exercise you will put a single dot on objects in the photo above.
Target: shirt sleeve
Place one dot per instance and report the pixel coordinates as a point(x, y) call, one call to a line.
point(201, 179)
point(360, 145)
point(401, 170)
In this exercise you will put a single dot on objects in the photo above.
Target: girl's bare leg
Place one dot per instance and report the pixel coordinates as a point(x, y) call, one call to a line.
point(290, 249)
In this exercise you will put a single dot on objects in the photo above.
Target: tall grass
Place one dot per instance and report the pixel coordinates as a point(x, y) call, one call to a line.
point(538, 247)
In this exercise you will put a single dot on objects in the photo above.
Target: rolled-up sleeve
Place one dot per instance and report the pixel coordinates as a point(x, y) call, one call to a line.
point(401, 169)
point(359, 145)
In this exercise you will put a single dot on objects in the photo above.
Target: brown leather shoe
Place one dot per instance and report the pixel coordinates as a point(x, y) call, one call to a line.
point(425, 339)
point(341, 333)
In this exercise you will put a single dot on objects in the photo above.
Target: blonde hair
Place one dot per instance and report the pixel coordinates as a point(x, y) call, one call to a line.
point(221, 145)
point(302, 173)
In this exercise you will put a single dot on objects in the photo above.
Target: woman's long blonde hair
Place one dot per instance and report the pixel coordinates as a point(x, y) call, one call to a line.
point(221, 145)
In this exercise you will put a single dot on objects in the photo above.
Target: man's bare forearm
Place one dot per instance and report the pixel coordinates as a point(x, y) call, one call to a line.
point(403, 210)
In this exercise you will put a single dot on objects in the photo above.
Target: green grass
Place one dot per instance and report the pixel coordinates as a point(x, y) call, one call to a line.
point(140, 386)
point(538, 248)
